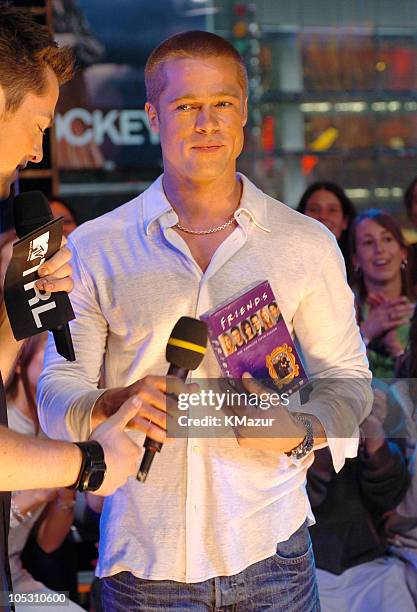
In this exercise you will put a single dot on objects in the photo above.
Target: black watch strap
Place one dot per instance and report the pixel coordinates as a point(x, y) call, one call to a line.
point(93, 467)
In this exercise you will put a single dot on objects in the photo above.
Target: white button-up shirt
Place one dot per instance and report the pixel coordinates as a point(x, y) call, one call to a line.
point(208, 508)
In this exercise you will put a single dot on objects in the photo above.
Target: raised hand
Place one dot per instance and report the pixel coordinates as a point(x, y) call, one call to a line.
point(385, 316)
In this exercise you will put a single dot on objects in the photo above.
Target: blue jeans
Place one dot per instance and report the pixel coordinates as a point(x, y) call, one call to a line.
point(285, 582)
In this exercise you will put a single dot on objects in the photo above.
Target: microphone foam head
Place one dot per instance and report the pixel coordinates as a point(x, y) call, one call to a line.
point(187, 343)
point(31, 210)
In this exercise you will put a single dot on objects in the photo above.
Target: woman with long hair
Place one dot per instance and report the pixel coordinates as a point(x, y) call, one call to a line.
point(247, 330)
point(328, 203)
point(384, 292)
point(266, 318)
point(227, 344)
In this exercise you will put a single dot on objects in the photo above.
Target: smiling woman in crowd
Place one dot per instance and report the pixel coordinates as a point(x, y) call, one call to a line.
point(384, 293)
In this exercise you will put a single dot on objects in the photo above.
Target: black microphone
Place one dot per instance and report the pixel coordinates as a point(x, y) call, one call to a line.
point(185, 350)
point(31, 211)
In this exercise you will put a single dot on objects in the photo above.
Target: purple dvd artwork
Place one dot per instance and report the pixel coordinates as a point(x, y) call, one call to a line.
point(249, 334)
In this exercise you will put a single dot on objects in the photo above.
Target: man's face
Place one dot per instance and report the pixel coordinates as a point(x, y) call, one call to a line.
point(21, 132)
point(237, 336)
point(256, 322)
point(273, 310)
point(200, 118)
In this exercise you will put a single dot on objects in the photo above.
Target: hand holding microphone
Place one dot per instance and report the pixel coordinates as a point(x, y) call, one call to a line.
point(156, 396)
point(31, 210)
point(185, 350)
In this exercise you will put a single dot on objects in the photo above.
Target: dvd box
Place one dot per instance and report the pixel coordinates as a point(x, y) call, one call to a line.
point(248, 334)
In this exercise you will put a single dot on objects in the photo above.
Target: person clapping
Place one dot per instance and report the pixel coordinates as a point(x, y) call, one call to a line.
point(384, 294)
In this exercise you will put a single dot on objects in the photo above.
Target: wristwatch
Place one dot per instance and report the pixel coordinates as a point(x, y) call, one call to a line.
point(93, 467)
point(306, 445)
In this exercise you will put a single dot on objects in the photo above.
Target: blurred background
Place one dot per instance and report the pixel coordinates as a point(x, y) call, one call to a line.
point(332, 94)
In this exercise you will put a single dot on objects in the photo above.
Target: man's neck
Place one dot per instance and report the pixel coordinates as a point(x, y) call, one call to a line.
point(203, 204)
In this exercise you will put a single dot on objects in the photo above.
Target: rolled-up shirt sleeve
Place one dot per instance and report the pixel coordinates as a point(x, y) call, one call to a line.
point(335, 357)
point(67, 391)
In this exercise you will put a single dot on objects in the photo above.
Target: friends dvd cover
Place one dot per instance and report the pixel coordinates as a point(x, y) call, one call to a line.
point(248, 334)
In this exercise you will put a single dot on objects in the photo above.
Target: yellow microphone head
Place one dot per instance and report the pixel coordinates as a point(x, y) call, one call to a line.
point(187, 343)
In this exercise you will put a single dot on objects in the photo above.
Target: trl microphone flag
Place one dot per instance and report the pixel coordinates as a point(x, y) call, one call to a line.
point(28, 310)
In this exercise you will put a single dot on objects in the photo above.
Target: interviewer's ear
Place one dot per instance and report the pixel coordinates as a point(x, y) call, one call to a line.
point(152, 117)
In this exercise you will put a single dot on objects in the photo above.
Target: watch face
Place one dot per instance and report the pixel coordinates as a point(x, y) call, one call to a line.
point(95, 479)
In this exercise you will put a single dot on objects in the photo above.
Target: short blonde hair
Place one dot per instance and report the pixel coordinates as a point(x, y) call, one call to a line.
point(186, 45)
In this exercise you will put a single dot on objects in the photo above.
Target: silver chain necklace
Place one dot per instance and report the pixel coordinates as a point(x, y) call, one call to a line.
point(212, 230)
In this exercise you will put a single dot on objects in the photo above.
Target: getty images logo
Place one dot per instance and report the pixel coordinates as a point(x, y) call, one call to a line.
point(38, 248)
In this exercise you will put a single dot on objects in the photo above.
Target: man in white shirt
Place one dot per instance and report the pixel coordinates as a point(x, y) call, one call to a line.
point(202, 532)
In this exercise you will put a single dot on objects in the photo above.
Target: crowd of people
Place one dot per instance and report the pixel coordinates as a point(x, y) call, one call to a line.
point(366, 516)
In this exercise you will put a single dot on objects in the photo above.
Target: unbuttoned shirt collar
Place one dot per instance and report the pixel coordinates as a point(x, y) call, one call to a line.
point(252, 208)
